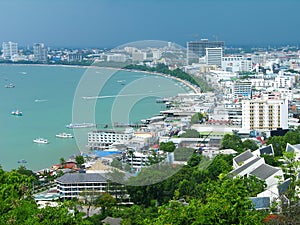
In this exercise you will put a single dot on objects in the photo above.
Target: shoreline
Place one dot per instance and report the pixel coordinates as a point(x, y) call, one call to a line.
point(26, 68)
point(191, 86)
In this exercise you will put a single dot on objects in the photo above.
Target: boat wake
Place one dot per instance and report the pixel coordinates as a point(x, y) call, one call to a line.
point(40, 100)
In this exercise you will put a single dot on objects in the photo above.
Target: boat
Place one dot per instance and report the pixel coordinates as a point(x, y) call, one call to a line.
point(40, 100)
point(9, 85)
point(22, 161)
point(80, 125)
point(41, 141)
point(64, 135)
point(16, 113)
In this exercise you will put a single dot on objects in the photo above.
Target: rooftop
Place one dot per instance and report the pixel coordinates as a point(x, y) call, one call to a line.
point(264, 171)
point(245, 166)
point(70, 178)
point(267, 150)
point(243, 157)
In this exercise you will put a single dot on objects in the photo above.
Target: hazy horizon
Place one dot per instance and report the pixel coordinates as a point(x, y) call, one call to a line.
point(110, 23)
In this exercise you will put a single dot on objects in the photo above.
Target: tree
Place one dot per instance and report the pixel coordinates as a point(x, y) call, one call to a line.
point(167, 147)
point(25, 171)
point(279, 144)
point(271, 160)
point(106, 202)
point(232, 141)
point(62, 162)
point(197, 118)
point(227, 202)
point(292, 137)
point(116, 163)
point(88, 198)
point(250, 144)
point(191, 133)
point(79, 160)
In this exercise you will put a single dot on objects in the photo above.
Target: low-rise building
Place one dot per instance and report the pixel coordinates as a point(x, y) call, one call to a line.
point(99, 139)
point(71, 185)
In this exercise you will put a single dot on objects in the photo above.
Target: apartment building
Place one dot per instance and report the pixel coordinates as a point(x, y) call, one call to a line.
point(265, 114)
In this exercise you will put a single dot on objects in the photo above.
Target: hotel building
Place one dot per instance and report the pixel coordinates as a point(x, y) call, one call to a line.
point(197, 49)
point(103, 138)
point(265, 114)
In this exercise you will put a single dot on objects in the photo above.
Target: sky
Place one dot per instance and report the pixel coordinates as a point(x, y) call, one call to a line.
point(110, 23)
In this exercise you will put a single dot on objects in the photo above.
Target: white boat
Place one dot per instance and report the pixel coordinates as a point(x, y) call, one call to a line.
point(16, 113)
point(41, 141)
point(40, 100)
point(9, 85)
point(64, 135)
point(80, 125)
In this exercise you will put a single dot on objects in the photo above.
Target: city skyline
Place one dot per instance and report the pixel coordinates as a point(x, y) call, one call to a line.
point(103, 23)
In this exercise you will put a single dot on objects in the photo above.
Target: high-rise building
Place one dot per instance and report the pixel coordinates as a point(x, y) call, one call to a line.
point(264, 114)
point(139, 56)
point(9, 50)
point(40, 52)
point(197, 49)
point(214, 56)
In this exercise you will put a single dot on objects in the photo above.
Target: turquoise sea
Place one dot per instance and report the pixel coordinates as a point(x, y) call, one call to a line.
point(45, 95)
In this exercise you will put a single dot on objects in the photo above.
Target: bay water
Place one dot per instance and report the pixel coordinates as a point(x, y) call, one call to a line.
point(45, 95)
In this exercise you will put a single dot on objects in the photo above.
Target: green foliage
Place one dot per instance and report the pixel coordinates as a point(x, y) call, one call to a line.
point(232, 141)
point(272, 160)
point(250, 144)
point(194, 160)
point(183, 154)
point(106, 202)
point(227, 203)
point(279, 142)
point(204, 86)
point(161, 68)
point(79, 160)
point(167, 147)
point(218, 166)
point(18, 207)
point(62, 161)
point(116, 163)
point(197, 118)
point(24, 171)
point(190, 133)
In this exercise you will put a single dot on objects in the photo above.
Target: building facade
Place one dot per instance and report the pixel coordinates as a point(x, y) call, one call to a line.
point(265, 114)
point(40, 52)
point(214, 56)
point(197, 49)
point(9, 49)
point(103, 138)
point(72, 185)
point(242, 89)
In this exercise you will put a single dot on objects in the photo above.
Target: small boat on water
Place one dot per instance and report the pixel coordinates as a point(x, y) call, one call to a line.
point(80, 125)
point(40, 141)
point(40, 100)
point(16, 113)
point(64, 135)
point(22, 161)
point(9, 85)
